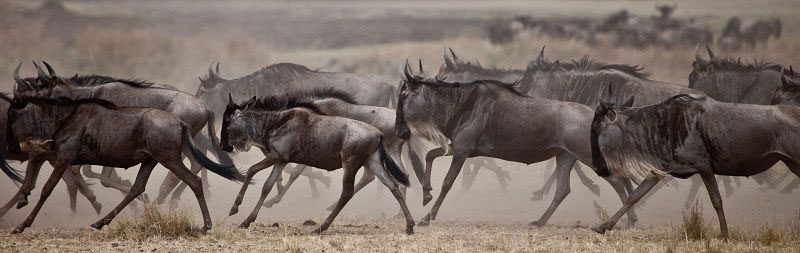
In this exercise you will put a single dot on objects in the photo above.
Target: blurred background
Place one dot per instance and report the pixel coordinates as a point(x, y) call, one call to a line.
point(173, 42)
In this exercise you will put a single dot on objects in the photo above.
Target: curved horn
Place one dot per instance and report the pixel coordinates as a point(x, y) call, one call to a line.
point(420, 67)
point(49, 69)
point(540, 57)
point(407, 71)
point(610, 91)
point(697, 57)
point(447, 59)
point(791, 71)
point(711, 55)
point(42, 75)
point(217, 68)
point(19, 80)
point(230, 99)
point(212, 75)
point(455, 58)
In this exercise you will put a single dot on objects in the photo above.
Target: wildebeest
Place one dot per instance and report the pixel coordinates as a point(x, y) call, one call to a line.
point(334, 102)
point(303, 134)
point(687, 135)
point(124, 92)
point(485, 118)
point(94, 131)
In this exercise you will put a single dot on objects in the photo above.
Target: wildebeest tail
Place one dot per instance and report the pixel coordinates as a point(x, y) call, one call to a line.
point(224, 157)
point(391, 165)
point(227, 171)
point(10, 172)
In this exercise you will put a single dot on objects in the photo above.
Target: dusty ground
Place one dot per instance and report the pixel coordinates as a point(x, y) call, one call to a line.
point(363, 234)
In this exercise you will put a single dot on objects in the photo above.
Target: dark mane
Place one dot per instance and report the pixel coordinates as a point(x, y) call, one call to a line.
point(476, 67)
point(64, 101)
point(586, 64)
point(280, 103)
point(512, 87)
point(736, 64)
point(96, 80)
point(323, 93)
point(284, 69)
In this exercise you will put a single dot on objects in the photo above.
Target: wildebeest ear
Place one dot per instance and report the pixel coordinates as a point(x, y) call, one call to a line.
point(230, 100)
point(698, 60)
point(455, 58)
point(628, 103)
point(447, 60)
point(540, 56)
point(711, 55)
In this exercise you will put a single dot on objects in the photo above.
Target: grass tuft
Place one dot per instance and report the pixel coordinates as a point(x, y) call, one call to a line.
point(694, 226)
point(168, 224)
point(768, 234)
point(601, 213)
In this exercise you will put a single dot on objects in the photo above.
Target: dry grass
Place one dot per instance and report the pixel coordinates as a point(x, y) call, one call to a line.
point(166, 224)
point(601, 213)
point(694, 226)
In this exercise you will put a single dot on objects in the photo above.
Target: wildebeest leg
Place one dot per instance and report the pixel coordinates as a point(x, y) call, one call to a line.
point(138, 188)
point(726, 181)
point(348, 181)
point(31, 173)
point(472, 167)
point(539, 194)
point(618, 183)
point(716, 201)
point(586, 180)
point(314, 188)
point(634, 197)
point(58, 170)
point(366, 178)
point(298, 169)
point(432, 155)
point(195, 184)
point(564, 162)
point(27, 186)
point(276, 172)
point(263, 164)
point(661, 184)
point(171, 181)
point(452, 174)
point(417, 166)
point(690, 200)
point(502, 176)
point(72, 191)
point(374, 164)
point(82, 187)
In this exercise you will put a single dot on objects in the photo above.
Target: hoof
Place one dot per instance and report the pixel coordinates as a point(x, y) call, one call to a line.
point(22, 203)
point(144, 198)
point(599, 230)
point(316, 231)
point(97, 225)
point(423, 223)
point(268, 204)
point(410, 229)
point(205, 229)
point(426, 198)
point(537, 224)
point(594, 189)
point(234, 210)
point(245, 224)
point(17, 230)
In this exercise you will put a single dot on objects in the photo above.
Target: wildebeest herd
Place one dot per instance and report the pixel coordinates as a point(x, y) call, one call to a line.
point(733, 119)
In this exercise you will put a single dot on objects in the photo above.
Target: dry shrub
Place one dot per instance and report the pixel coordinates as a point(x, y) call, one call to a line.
point(694, 226)
point(768, 234)
point(169, 224)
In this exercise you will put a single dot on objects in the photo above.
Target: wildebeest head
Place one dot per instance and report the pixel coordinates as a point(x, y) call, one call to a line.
point(212, 81)
point(48, 85)
point(234, 128)
point(605, 119)
point(419, 113)
point(789, 91)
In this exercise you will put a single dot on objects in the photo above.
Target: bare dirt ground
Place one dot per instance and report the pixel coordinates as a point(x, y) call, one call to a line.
point(381, 235)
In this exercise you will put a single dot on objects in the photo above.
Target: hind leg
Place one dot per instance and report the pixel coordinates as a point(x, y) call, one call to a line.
point(418, 166)
point(298, 169)
point(661, 184)
point(181, 186)
point(502, 176)
point(366, 178)
point(171, 181)
point(374, 164)
point(276, 172)
point(690, 200)
point(449, 179)
point(270, 160)
point(138, 188)
point(470, 172)
point(72, 191)
point(564, 162)
point(585, 180)
point(195, 184)
point(81, 186)
point(619, 186)
point(348, 180)
point(539, 194)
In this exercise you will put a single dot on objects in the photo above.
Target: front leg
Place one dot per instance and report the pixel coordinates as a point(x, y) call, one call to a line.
point(29, 182)
point(716, 200)
point(269, 160)
point(452, 174)
point(59, 167)
point(273, 177)
point(634, 197)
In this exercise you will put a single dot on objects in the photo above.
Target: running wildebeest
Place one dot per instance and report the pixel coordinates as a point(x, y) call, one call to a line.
point(788, 94)
point(284, 78)
point(73, 179)
point(333, 102)
point(729, 80)
point(94, 131)
point(134, 93)
point(304, 135)
point(687, 135)
point(494, 119)
point(455, 70)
